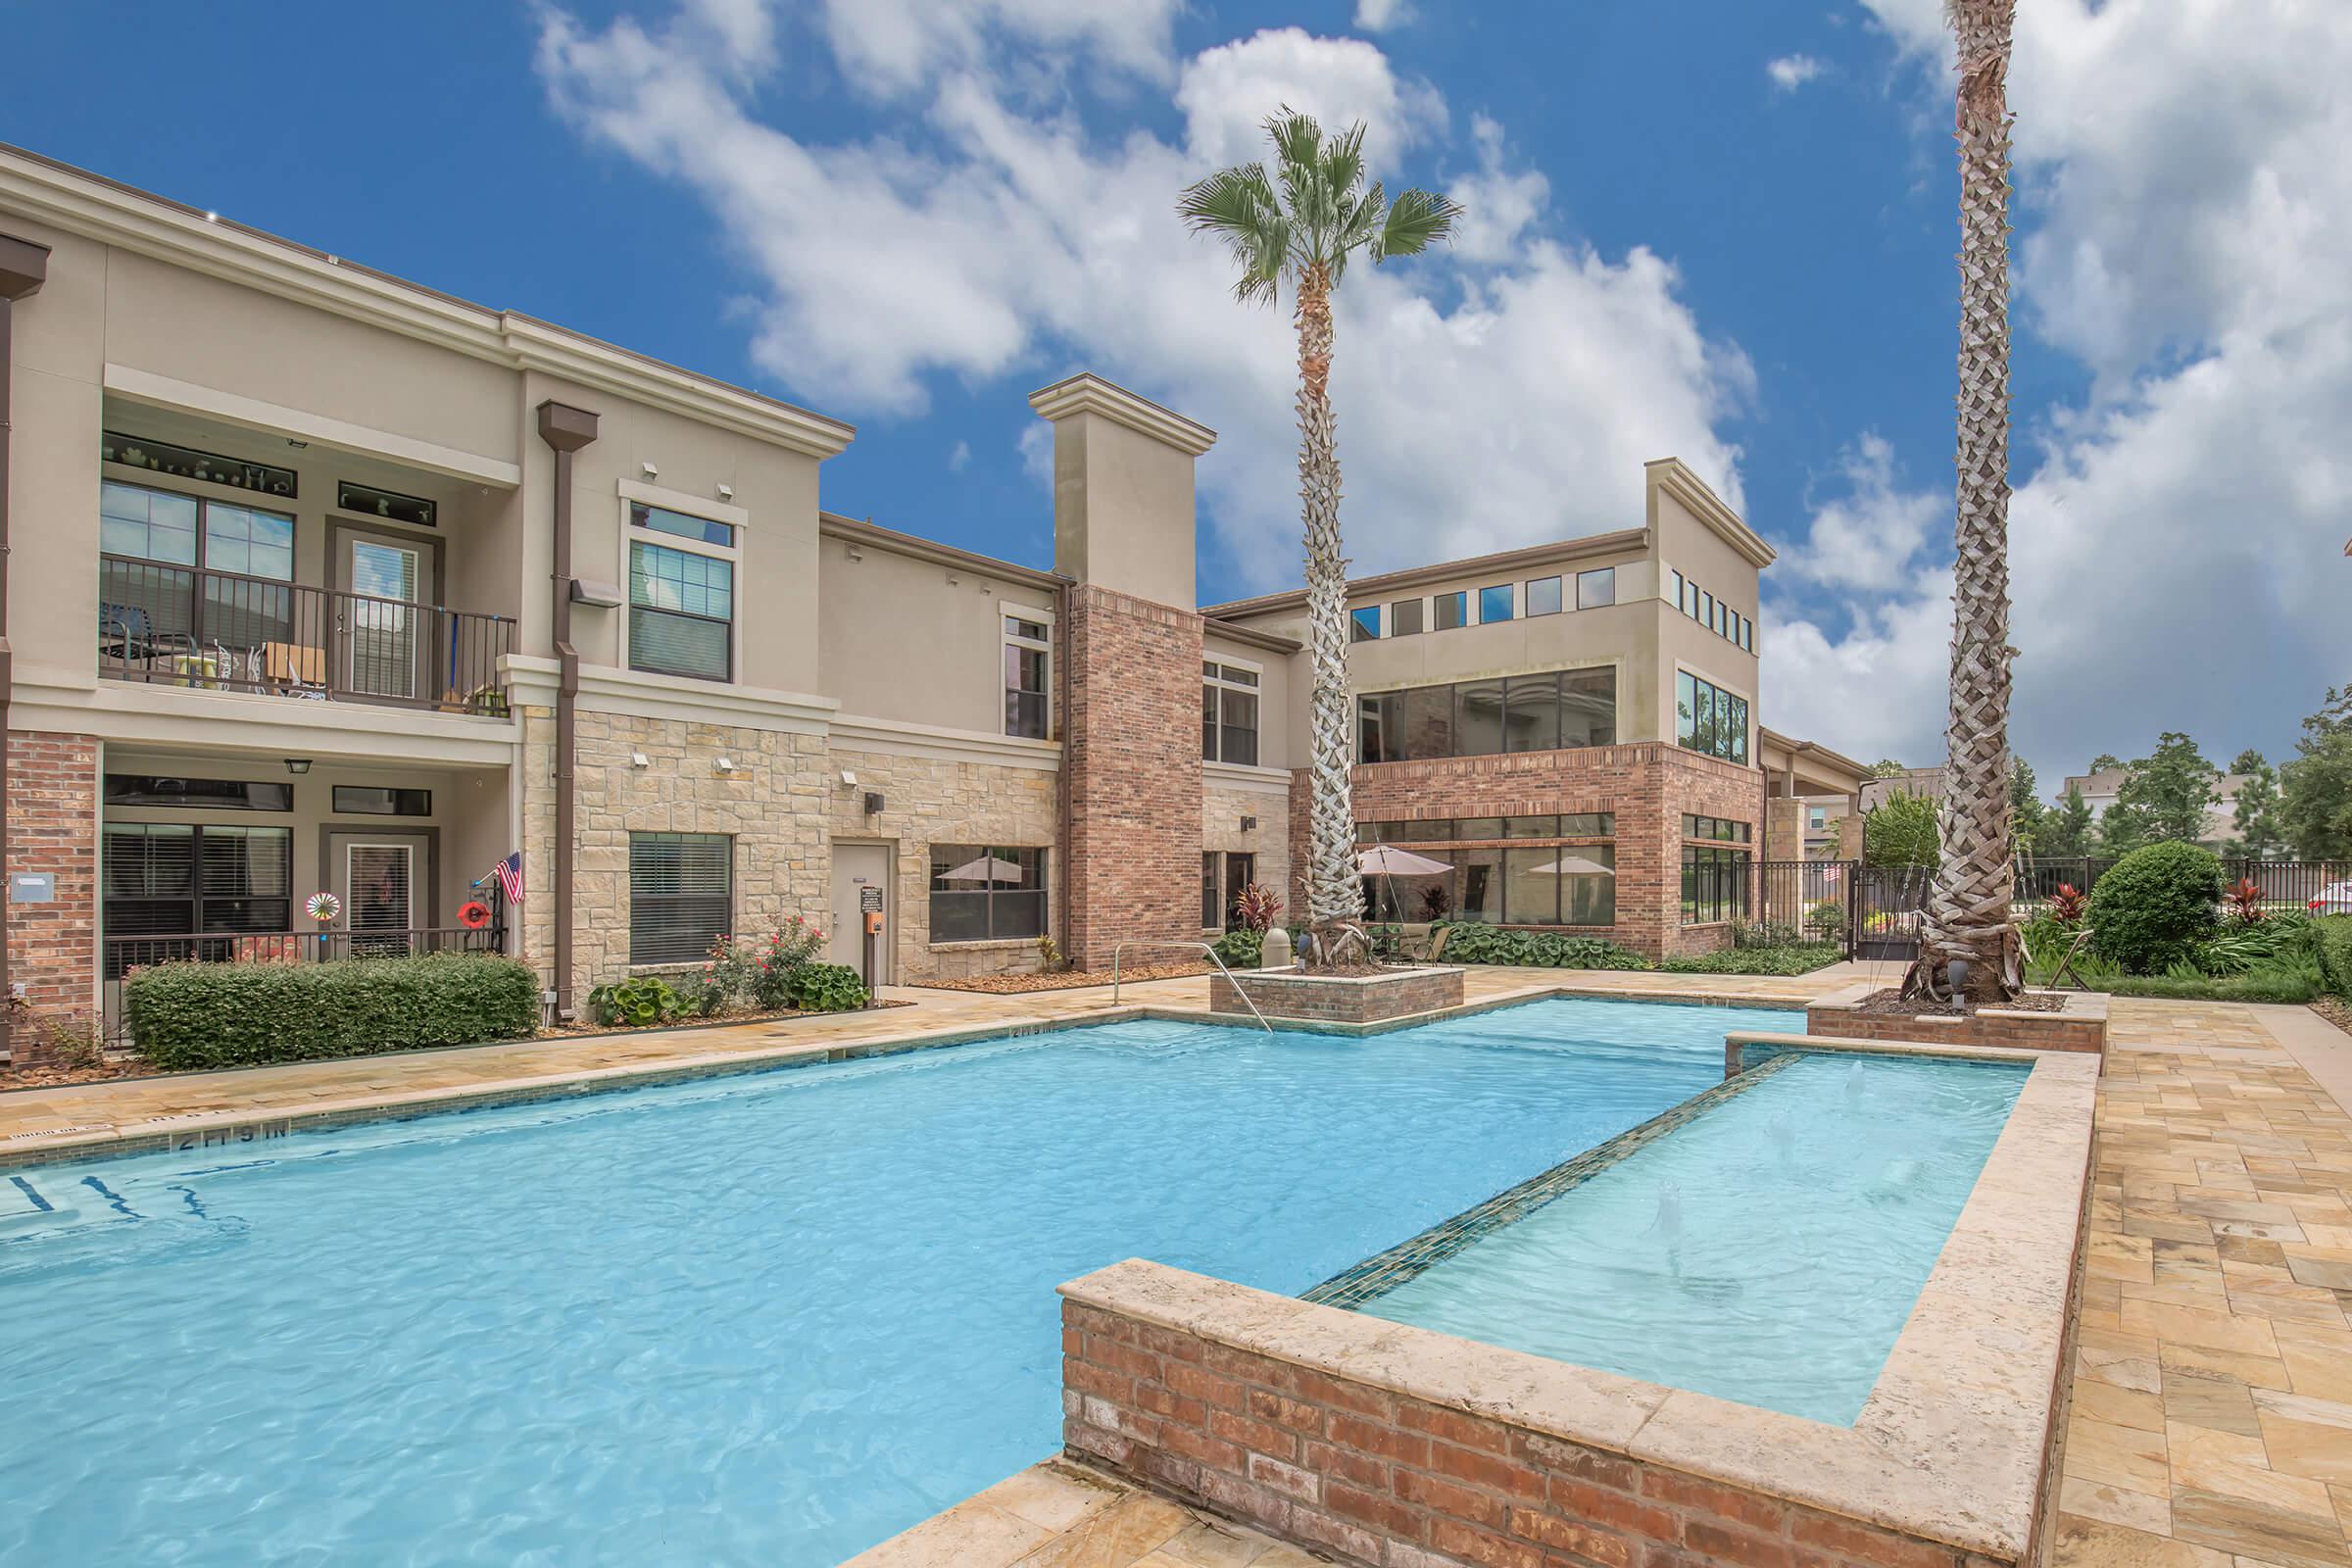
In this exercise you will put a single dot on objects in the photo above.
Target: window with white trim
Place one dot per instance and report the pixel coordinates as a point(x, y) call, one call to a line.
point(1028, 672)
point(681, 594)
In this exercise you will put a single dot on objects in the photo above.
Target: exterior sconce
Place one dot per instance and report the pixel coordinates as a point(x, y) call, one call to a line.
point(874, 802)
point(298, 764)
point(640, 760)
point(1249, 824)
point(726, 764)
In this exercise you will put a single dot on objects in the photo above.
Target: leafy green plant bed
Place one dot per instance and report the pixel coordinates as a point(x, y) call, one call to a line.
point(2335, 944)
point(2270, 985)
point(187, 1017)
point(1468, 943)
point(1802, 957)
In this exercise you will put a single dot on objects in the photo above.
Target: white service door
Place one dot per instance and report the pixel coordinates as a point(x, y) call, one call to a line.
point(857, 867)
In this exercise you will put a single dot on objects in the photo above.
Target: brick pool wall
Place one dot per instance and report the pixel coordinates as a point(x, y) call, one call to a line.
point(1339, 999)
point(1345, 1466)
point(2082, 1026)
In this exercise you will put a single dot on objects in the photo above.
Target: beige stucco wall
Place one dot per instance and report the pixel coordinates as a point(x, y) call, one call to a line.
point(1684, 544)
point(1280, 714)
point(1123, 511)
point(915, 641)
point(1222, 808)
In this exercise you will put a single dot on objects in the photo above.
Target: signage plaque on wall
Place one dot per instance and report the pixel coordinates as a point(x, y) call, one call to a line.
point(870, 901)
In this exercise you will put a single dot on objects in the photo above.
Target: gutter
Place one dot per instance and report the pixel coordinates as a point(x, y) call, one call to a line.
point(23, 268)
point(566, 429)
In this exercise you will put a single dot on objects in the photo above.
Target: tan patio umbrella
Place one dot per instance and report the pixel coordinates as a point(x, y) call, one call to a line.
point(986, 869)
point(1573, 865)
point(1387, 860)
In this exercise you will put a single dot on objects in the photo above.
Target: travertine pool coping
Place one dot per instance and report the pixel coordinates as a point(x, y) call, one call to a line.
point(1951, 1448)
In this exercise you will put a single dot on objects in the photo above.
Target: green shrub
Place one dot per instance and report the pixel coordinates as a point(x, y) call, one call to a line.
point(635, 1004)
point(2262, 985)
point(1826, 920)
point(1473, 943)
point(2156, 905)
point(1241, 947)
point(1795, 958)
point(192, 1016)
point(2335, 942)
point(826, 987)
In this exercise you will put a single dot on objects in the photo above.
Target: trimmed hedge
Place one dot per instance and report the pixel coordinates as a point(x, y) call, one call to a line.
point(2155, 906)
point(1802, 957)
point(2267, 985)
point(194, 1015)
point(2335, 953)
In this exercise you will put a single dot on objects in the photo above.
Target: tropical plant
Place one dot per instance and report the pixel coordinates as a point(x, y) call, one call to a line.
point(636, 1003)
point(2244, 899)
point(1239, 948)
point(1301, 224)
point(1969, 899)
point(2156, 905)
point(2067, 903)
point(1050, 956)
point(1795, 957)
point(826, 988)
point(1473, 941)
point(1256, 908)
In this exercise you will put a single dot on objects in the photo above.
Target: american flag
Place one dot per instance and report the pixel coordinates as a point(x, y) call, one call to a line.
point(509, 872)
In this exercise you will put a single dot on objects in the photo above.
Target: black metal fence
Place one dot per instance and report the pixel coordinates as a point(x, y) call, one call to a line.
point(1877, 911)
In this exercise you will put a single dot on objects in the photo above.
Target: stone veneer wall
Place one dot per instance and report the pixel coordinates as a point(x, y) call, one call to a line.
point(1648, 786)
point(53, 826)
point(1380, 1477)
point(773, 804)
point(1222, 808)
point(929, 800)
point(1131, 743)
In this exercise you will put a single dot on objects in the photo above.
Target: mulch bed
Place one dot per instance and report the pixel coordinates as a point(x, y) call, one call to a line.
point(2336, 1010)
point(1891, 1000)
point(49, 1075)
point(1006, 985)
point(584, 1030)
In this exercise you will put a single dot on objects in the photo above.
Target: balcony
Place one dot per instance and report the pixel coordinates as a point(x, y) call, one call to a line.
point(223, 631)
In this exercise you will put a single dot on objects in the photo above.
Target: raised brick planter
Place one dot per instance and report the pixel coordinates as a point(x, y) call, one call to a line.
point(1338, 999)
point(2081, 1026)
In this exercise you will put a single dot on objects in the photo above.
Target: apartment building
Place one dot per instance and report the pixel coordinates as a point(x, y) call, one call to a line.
point(2103, 787)
point(328, 593)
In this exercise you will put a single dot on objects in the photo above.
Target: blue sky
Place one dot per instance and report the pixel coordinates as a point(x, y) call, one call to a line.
point(1714, 227)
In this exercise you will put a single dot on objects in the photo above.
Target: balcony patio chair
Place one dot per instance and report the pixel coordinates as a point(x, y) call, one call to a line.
point(126, 633)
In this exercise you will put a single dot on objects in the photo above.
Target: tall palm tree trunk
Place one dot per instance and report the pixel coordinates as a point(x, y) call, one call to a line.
point(1968, 911)
point(1335, 898)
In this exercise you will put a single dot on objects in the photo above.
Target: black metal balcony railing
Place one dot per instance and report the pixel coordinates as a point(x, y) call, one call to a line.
point(222, 631)
point(121, 955)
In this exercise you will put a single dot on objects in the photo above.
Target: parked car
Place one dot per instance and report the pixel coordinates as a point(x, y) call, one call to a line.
point(2333, 899)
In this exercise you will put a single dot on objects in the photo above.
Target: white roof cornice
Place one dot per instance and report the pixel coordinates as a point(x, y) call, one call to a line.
point(1088, 393)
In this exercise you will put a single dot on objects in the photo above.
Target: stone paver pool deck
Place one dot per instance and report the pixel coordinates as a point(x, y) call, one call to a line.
point(2210, 1403)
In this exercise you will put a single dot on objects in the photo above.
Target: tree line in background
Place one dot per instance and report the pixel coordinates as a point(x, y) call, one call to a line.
point(2300, 809)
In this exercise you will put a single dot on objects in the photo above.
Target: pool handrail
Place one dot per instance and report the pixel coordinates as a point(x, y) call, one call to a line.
point(1141, 942)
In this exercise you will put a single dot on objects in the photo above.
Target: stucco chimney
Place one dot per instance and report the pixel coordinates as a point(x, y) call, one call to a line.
point(1123, 517)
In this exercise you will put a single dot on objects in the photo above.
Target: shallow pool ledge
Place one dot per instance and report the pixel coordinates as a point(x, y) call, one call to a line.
point(1387, 1442)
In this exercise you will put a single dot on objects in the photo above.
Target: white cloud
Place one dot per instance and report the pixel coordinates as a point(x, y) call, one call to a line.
point(1868, 539)
point(1480, 406)
point(1498, 203)
point(960, 457)
point(890, 47)
point(1791, 71)
point(1379, 16)
point(2186, 206)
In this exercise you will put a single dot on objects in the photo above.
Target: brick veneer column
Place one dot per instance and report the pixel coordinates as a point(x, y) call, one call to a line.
point(53, 827)
point(1132, 746)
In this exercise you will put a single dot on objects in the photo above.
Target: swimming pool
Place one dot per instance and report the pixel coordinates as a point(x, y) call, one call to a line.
point(764, 1319)
point(1768, 1251)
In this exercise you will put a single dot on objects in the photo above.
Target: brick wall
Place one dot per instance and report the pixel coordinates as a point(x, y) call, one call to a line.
point(1132, 748)
point(2081, 1027)
point(1380, 1478)
point(1339, 999)
point(53, 827)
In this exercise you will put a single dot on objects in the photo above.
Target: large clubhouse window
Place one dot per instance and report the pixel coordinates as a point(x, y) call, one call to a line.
point(1228, 712)
point(175, 878)
point(681, 613)
point(1494, 603)
point(681, 895)
point(1541, 712)
point(1716, 615)
point(1714, 884)
point(1516, 870)
point(1452, 609)
point(1405, 617)
point(987, 894)
point(1710, 719)
point(185, 531)
point(1363, 624)
point(1028, 668)
point(1544, 596)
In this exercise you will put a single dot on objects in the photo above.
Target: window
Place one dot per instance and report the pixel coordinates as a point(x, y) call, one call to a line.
point(702, 530)
point(1454, 610)
point(1228, 714)
point(1717, 828)
point(1710, 719)
point(1028, 664)
point(1817, 817)
point(1363, 625)
point(1747, 634)
point(174, 879)
point(1224, 874)
point(681, 895)
point(1404, 618)
point(1691, 599)
point(681, 613)
point(1544, 596)
point(985, 894)
point(1532, 713)
point(367, 799)
point(1678, 590)
point(1494, 603)
point(1523, 870)
point(1597, 589)
point(185, 531)
point(219, 793)
point(1706, 609)
point(1714, 884)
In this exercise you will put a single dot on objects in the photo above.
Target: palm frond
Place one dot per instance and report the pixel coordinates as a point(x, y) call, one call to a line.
point(1238, 207)
point(1416, 221)
point(1343, 161)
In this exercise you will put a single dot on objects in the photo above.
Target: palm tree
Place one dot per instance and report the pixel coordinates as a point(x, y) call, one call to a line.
point(1968, 908)
point(1301, 224)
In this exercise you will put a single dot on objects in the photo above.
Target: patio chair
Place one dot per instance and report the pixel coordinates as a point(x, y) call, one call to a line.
point(126, 633)
point(2065, 962)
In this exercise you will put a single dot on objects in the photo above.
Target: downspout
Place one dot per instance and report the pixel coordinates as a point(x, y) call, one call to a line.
point(23, 268)
point(566, 429)
point(1062, 794)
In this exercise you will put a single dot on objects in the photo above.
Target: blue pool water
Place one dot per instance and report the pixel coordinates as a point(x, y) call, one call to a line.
point(1769, 1250)
point(767, 1320)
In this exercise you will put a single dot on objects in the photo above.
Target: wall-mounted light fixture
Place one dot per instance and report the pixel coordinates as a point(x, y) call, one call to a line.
point(1249, 824)
point(726, 764)
point(640, 760)
point(298, 764)
point(727, 492)
point(849, 779)
point(651, 472)
point(874, 802)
